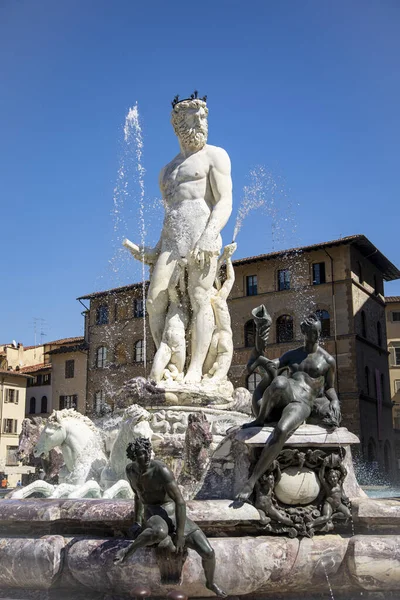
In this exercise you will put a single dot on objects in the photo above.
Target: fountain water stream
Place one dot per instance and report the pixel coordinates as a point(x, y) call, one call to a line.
point(133, 137)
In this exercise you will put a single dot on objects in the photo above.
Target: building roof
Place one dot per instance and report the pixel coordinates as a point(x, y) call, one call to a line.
point(13, 373)
point(117, 290)
point(64, 349)
point(363, 244)
point(69, 340)
point(389, 299)
point(35, 368)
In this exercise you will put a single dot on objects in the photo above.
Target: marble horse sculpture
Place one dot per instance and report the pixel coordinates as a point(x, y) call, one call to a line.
point(51, 463)
point(196, 187)
point(293, 387)
point(80, 443)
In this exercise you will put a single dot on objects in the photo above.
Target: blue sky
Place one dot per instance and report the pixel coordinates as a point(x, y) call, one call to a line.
point(307, 89)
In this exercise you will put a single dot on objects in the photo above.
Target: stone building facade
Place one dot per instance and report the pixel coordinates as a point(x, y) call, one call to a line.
point(341, 279)
point(393, 340)
point(12, 413)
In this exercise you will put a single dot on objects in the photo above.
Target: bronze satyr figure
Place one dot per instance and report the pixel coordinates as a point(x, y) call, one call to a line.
point(161, 512)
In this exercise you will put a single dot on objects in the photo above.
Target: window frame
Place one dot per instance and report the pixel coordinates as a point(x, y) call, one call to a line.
point(138, 349)
point(280, 325)
point(102, 315)
point(14, 426)
point(321, 273)
point(41, 405)
point(32, 398)
point(285, 281)
point(397, 356)
point(251, 285)
point(249, 334)
point(325, 322)
point(12, 396)
point(68, 401)
point(138, 313)
point(70, 368)
point(101, 361)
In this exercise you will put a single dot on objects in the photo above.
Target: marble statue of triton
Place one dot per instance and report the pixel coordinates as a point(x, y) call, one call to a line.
point(196, 188)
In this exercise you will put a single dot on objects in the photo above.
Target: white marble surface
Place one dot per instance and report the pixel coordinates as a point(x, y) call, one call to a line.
point(297, 486)
point(184, 303)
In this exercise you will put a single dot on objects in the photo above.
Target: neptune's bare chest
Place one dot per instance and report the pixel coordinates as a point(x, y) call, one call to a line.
point(182, 170)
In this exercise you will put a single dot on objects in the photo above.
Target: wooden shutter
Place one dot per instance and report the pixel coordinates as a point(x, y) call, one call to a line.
point(15, 425)
point(7, 398)
point(16, 396)
point(392, 357)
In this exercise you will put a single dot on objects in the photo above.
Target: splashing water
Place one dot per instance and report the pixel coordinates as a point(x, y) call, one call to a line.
point(260, 193)
point(133, 135)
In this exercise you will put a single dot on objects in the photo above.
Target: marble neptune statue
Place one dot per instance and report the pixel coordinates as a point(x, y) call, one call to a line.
point(196, 188)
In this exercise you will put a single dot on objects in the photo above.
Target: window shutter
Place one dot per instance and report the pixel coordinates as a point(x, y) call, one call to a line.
point(75, 401)
point(4, 425)
point(15, 425)
point(392, 358)
point(7, 398)
point(62, 402)
point(16, 396)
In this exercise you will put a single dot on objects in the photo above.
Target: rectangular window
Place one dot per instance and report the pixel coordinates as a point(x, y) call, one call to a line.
point(318, 272)
point(69, 369)
point(102, 315)
point(46, 379)
point(138, 308)
point(11, 456)
point(39, 380)
point(10, 426)
point(251, 285)
point(395, 316)
point(396, 386)
point(12, 396)
point(70, 401)
point(283, 279)
point(397, 356)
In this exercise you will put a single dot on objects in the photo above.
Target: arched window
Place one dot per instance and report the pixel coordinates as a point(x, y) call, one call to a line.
point(250, 334)
point(32, 406)
point(363, 324)
point(43, 404)
point(121, 355)
point(252, 382)
point(284, 329)
point(379, 333)
point(101, 357)
point(359, 272)
point(366, 376)
point(386, 456)
point(139, 351)
point(325, 319)
point(371, 451)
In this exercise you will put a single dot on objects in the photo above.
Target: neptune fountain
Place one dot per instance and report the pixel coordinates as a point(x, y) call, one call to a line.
point(179, 487)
